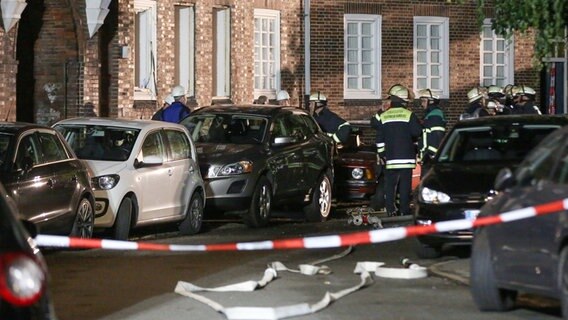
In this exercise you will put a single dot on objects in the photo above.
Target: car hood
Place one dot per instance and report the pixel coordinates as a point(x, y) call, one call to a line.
point(99, 168)
point(216, 153)
point(460, 178)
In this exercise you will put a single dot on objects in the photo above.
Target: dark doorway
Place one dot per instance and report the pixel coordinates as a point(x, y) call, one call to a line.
point(28, 32)
point(107, 34)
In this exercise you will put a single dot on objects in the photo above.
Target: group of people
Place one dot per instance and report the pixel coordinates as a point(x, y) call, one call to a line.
point(282, 98)
point(174, 108)
point(495, 100)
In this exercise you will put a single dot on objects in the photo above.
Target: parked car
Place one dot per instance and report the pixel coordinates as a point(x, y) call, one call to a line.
point(254, 158)
point(357, 175)
point(24, 292)
point(528, 255)
point(461, 177)
point(144, 172)
point(49, 184)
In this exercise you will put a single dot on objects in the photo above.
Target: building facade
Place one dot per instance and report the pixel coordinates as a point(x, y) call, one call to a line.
point(122, 57)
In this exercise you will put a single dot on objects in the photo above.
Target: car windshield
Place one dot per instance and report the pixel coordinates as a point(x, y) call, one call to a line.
point(492, 143)
point(99, 142)
point(226, 128)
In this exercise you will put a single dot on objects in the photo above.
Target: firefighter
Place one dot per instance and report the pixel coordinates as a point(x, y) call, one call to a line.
point(283, 98)
point(434, 128)
point(330, 122)
point(477, 97)
point(524, 100)
point(497, 95)
point(398, 129)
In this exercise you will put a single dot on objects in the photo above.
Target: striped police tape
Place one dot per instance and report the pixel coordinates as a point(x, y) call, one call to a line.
point(316, 242)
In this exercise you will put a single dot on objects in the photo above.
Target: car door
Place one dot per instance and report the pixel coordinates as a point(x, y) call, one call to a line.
point(285, 161)
point(154, 181)
point(184, 168)
point(527, 248)
point(314, 152)
point(30, 182)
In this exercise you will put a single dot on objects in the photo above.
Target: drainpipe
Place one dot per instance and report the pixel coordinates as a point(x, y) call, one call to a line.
point(307, 40)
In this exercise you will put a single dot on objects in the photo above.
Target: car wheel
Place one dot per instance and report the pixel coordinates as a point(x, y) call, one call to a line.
point(426, 251)
point(121, 229)
point(194, 218)
point(261, 205)
point(84, 220)
point(320, 207)
point(484, 290)
point(563, 281)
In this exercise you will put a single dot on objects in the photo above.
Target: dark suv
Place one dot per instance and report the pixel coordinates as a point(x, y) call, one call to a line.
point(254, 158)
point(49, 185)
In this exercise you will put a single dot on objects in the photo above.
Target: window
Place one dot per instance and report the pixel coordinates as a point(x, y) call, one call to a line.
point(152, 146)
point(185, 54)
point(496, 58)
point(51, 148)
point(145, 32)
point(222, 52)
point(266, 52)
point(431, 55)
point(362, 58)
point(179, 145)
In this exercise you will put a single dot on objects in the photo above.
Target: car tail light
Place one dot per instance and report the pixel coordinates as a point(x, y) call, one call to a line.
point(22, 279)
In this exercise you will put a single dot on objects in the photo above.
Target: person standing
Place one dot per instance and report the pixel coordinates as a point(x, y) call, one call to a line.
point(434, 128)
point(283, 98)
point(177, 110)
point(329, 121)
point(524, 100)
point(167, 102)
point(398, 129)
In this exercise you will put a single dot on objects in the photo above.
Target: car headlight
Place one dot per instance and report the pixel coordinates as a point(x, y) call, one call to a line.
point(433, 196)
point(236, 168)
point(105, 182)
point(357, 173)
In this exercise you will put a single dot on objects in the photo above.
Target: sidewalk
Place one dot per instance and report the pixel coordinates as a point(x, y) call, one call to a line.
point(457, 270)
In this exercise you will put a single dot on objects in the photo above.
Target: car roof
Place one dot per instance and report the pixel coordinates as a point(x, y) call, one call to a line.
point(16, 127)
point(262, 110)
point(119, 122)
point(504, 120)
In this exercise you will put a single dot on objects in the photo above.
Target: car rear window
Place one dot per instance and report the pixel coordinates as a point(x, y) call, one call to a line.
point(492, 143)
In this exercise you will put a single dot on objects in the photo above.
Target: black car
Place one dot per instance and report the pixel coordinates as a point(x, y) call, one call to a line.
point(255, 158)
point(49, 184)
point(23, 272)
point(461, 176)
point(528, 255)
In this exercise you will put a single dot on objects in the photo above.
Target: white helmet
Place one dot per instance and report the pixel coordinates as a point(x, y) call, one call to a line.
point(169, 99)
point(475, 94)
point(178, 91)
point(401, 91)
point(317, 96)
point(282, 95)
point(523, 91)
point(427, 94)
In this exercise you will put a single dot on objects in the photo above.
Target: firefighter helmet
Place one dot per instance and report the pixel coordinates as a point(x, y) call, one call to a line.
point(178, 91)
point(427, 94)
point(401, 92)
point(495, 91)
point(475, 94)
point(169, 99)
point(317, 97)
point(282, 95)
point(523, 91)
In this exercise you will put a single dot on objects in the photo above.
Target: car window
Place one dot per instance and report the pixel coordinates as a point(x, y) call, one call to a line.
point(541, 161)
point(52, 148)
point(226, 128)
point(310, 123)
point(28, 152)
point(179, 144)
point(153, 146)
point(492, 143)
point(290, 126)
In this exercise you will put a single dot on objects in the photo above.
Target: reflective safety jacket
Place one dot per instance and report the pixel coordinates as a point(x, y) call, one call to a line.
point(434, 129)
point(335, 126)
point(397, 130)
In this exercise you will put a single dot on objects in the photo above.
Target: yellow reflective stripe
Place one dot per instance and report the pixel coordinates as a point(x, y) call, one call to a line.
point(343, 124)
point(401, 166)
point(433, 149)
point(437, 129)
point(377, 117)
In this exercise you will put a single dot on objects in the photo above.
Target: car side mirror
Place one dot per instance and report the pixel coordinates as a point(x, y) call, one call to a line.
point(279, 141)
point(149, 161)
point(504, 179)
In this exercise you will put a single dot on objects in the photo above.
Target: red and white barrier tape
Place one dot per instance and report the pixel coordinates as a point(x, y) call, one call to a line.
point(332, 241)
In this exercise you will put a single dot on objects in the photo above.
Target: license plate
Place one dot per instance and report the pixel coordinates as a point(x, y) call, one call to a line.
point(471, 214)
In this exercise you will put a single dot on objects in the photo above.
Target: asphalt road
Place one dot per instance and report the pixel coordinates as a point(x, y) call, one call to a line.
point(113, 285)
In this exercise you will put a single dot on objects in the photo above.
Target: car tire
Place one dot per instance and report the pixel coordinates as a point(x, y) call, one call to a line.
point(486, 295)
point(84, 223)
point(194, 217)
point(426, 251)
point(563, 281)
point(320, 207)
point(121, 228)
point(259, 212)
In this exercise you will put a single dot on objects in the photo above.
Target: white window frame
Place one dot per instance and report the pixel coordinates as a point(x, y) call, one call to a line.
point(374, 92)
point(508, 64)
point(185, 55)
point(222, 59)
point(146, 60)
point(443, 90)
point(266, 82)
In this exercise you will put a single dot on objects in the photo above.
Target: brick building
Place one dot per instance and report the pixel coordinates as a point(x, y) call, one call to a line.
point(62, 58)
